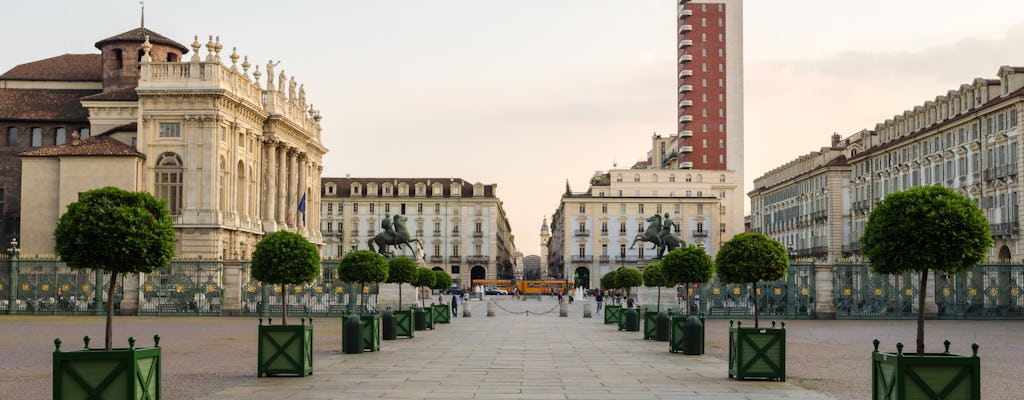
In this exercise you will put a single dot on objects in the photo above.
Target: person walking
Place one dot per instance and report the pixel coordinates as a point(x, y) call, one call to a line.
point(599, 298)
point(455, 305)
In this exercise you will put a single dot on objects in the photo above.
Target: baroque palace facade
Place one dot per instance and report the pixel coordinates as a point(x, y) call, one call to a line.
point(461, 226)
point(592, 232)
point(967, 139)
point(233, 157)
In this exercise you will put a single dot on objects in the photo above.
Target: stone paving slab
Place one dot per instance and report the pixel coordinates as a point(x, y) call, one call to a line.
point(517, 356)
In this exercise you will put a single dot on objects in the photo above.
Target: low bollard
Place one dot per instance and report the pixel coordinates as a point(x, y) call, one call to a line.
point(693, 337)
point(632, 320)
point(491, 308)
point(352, 335)
point(563, 310)
point(466, 312)
point(661, 329)
point(419, 319)
point(586, 310)
point(389, 328)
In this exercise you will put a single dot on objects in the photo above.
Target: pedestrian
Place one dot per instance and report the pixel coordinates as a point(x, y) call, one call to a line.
point(570, 298)
point(455, 305)
point(630, 302)
point(599, 297)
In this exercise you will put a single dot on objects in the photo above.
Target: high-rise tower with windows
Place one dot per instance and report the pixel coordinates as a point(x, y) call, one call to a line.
point(710, 80)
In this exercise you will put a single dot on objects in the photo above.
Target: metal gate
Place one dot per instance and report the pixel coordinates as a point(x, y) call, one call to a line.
point(185, 287)
point(48, 286)
point(862, 294)
point(790, 297)
point(327, 296)
point(988, 291)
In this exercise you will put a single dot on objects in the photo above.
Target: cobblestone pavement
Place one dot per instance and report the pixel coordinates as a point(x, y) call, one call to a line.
point(507, 356)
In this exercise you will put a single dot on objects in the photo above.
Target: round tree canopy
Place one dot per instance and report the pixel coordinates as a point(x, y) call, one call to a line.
point(609, 280)
point(401, 270)
point(285, 257)
point(442, 281)
point(424, 278)
point(750, 257)
point(363, 266)
point(688, 264)
point(628, 277)
point(117, 231)
point(654, 277)
point(925, 228)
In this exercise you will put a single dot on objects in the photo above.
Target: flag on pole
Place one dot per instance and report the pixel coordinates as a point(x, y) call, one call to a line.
point(302, 208)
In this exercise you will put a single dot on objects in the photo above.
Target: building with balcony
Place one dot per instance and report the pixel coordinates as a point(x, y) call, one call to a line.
point(592, 231)
point(233, 158)
point(461, 226)
point(966, 139)
point(710, 82)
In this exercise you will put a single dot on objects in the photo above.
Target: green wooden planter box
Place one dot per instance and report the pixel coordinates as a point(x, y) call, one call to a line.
point(132, 373)
point(612, 314)
point(442, 313)
point(371, 330)
point(285, 349)
point(676, 333)
point(405, 323)
point(650, 324)
point(757, 352)
point(933, 376)
point(429, 311)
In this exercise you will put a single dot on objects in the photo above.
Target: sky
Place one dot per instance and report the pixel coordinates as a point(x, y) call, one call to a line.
point(530, 94)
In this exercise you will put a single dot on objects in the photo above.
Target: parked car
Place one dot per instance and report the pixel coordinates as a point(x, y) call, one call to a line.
point(456, 291)
point(495, 291)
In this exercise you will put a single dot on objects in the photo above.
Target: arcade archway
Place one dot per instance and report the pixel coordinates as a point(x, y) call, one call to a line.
point(581, 277)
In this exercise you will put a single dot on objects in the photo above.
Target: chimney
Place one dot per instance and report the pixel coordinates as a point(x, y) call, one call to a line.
point(835, 140)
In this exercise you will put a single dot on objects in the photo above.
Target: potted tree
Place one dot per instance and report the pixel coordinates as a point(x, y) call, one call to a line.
point(123, 233)
point(754, 352)
point(364, 266)
point(402, 270)
point(612, 312)
point(442, 312)
point(924, 229)
point(424, 279)
point(656, 322)
point(685, 266)
point(628, 278)
point(285, 258)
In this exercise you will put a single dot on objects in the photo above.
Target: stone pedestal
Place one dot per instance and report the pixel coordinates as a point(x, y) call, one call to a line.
point(586, 310)
point(491, 308)
point(231, 298)
point(563, 310)
point(824, 308)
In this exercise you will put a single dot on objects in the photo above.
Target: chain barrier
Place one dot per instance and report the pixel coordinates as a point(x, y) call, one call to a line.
point(526, 312)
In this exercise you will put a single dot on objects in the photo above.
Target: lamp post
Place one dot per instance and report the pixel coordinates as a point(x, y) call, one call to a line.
point(12, 293)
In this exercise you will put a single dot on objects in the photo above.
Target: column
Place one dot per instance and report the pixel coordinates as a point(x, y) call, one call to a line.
point(282, 184)
point(270, 186)
point(302, 185)
point(824, 308)
point(293, 186)
point(231, 300)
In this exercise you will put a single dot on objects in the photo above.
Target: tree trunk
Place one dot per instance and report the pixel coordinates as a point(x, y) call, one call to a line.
point(689, 299)
point(284, 304)
point(920, 313)
point(756, 311)
point(109, 340)
point(659, 299)
point(362, 298)
point(399, 296)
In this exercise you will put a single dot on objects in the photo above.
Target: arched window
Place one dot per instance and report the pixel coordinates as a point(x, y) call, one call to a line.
point(12, 137)
point(61, 136)
point(618, 178)
point(240, 190)
point(118, 58)
point(37, 137)
point(700, 178)
point(721, 178)
point(672, 178)
point(169, 171)
point(654, 178)
point(636, 177)
point(355, 189)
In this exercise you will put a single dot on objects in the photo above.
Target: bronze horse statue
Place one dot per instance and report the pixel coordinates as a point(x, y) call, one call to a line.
point(659, 235)
point(395, 234)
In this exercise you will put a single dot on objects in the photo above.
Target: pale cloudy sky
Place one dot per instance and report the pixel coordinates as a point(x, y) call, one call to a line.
point(531, 93)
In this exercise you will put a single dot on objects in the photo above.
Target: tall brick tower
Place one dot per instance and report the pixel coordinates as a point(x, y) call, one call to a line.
point(710, 37)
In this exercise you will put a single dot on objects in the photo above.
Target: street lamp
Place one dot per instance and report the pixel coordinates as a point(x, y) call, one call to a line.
point(13, 249)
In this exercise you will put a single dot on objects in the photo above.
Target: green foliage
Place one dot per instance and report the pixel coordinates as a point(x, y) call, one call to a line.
point(925, 228)
point(751, 257)
point(424, 278)
point(442, 281)
point(609, 280)
point(655, 277)
point(688, 264)
point(401, 270)
point(363, 266)
point(628, 277)
point(285, 257)
point(117, 231)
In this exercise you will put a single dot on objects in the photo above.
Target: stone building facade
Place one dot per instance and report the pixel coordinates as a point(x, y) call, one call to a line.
point(461, 226)
point(234, 159)
point(967, 139)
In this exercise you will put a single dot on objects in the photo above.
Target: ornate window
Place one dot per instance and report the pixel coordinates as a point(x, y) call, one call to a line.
point(169, 172)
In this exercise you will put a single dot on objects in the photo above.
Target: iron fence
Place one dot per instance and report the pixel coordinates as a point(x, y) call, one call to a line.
point(988, 291)
point(185, 287)
point(862, 294)
point(48, 286)
point(327, 296)
point(791, 297)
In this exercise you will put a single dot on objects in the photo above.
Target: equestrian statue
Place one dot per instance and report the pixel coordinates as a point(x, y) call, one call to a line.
point(659, 234)
point(395, 234)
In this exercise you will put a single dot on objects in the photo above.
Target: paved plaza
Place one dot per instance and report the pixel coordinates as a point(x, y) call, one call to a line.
point(506, 356)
